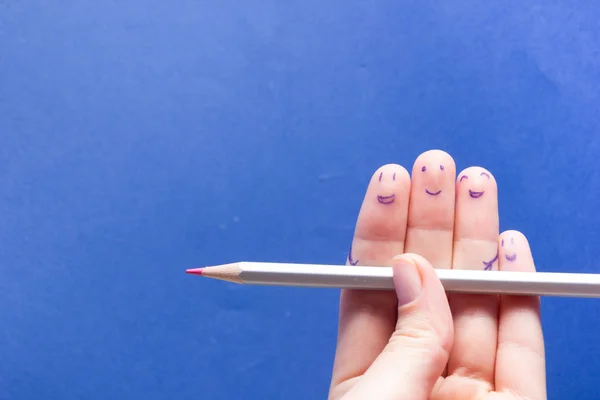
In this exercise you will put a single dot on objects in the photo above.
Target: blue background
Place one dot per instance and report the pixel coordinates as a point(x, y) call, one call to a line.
point(141, 138)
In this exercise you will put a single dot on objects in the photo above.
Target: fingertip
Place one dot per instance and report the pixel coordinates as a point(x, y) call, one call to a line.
point(476, 172)
point(516, 235)
point(433, 292)
point(384, 211)
point(391, 171)
point(515, 252)
point(430, 281)
point(476, 209)
point(438, 159)
point(408, 281)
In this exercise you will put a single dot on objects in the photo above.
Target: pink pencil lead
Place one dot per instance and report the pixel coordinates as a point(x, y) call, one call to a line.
point(194, 271)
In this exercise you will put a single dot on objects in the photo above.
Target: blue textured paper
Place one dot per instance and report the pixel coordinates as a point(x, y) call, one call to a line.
point(141, 138)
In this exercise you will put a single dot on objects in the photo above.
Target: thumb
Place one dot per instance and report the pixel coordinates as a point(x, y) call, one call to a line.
point(417, 353)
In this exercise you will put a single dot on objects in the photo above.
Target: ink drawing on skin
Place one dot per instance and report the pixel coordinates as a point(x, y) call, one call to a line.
point(475, 194)
point(386, 199)
point(432, 192)
point(490, 264)
point(350, 260)
point(510, 257)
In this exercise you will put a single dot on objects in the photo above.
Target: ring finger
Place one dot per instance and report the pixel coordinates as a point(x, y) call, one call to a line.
point(476, 232)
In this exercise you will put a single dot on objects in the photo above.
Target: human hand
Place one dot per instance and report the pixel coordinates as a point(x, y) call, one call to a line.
point(418, 344)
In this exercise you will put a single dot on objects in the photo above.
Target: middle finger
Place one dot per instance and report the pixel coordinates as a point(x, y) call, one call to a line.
point(431, 210)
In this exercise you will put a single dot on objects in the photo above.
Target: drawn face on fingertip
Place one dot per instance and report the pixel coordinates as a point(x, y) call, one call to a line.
point(479, 182)
point(509, 256)
point(432, 177)
point(390, 198)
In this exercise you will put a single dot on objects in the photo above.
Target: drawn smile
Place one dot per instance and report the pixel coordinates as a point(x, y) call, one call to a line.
point(433, 193)
point(511, 257)
point(475, 195)
point(386, 199)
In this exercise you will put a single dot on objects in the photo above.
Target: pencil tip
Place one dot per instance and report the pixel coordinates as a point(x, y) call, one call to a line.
point(194, 271)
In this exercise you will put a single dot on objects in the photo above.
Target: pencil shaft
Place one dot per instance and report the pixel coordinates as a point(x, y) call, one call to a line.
point(380, 278)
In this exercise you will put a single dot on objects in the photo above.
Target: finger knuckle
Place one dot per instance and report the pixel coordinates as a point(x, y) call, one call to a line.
point(420, 336)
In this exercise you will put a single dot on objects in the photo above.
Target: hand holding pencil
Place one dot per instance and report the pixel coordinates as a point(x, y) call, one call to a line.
point(469, 329)
point(421, 343)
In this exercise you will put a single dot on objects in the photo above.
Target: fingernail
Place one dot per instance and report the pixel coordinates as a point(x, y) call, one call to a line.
point(407, 280)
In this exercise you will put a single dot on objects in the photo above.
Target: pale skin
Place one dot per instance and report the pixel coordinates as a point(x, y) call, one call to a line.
point(417, 343)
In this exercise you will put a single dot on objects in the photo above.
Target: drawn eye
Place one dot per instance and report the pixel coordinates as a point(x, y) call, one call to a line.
point(423, 169)
point(512, 240)
point(463, 177)
point(441, 167)
point(485, 174)
point(502, 243)
point(394, 177)
point(380, 175)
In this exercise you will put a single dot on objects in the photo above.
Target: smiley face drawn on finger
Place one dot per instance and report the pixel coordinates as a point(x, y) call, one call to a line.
point(509, 257)
point(476, 194)
point(387, 199)
point(433, 180)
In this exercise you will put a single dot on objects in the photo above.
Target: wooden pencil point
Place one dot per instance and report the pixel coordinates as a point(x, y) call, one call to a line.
point(225, 272)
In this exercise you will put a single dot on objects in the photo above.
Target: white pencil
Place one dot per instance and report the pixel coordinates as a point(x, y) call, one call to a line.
point(380, 278)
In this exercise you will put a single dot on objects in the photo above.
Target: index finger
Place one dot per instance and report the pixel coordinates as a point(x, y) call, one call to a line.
point(367, 318)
